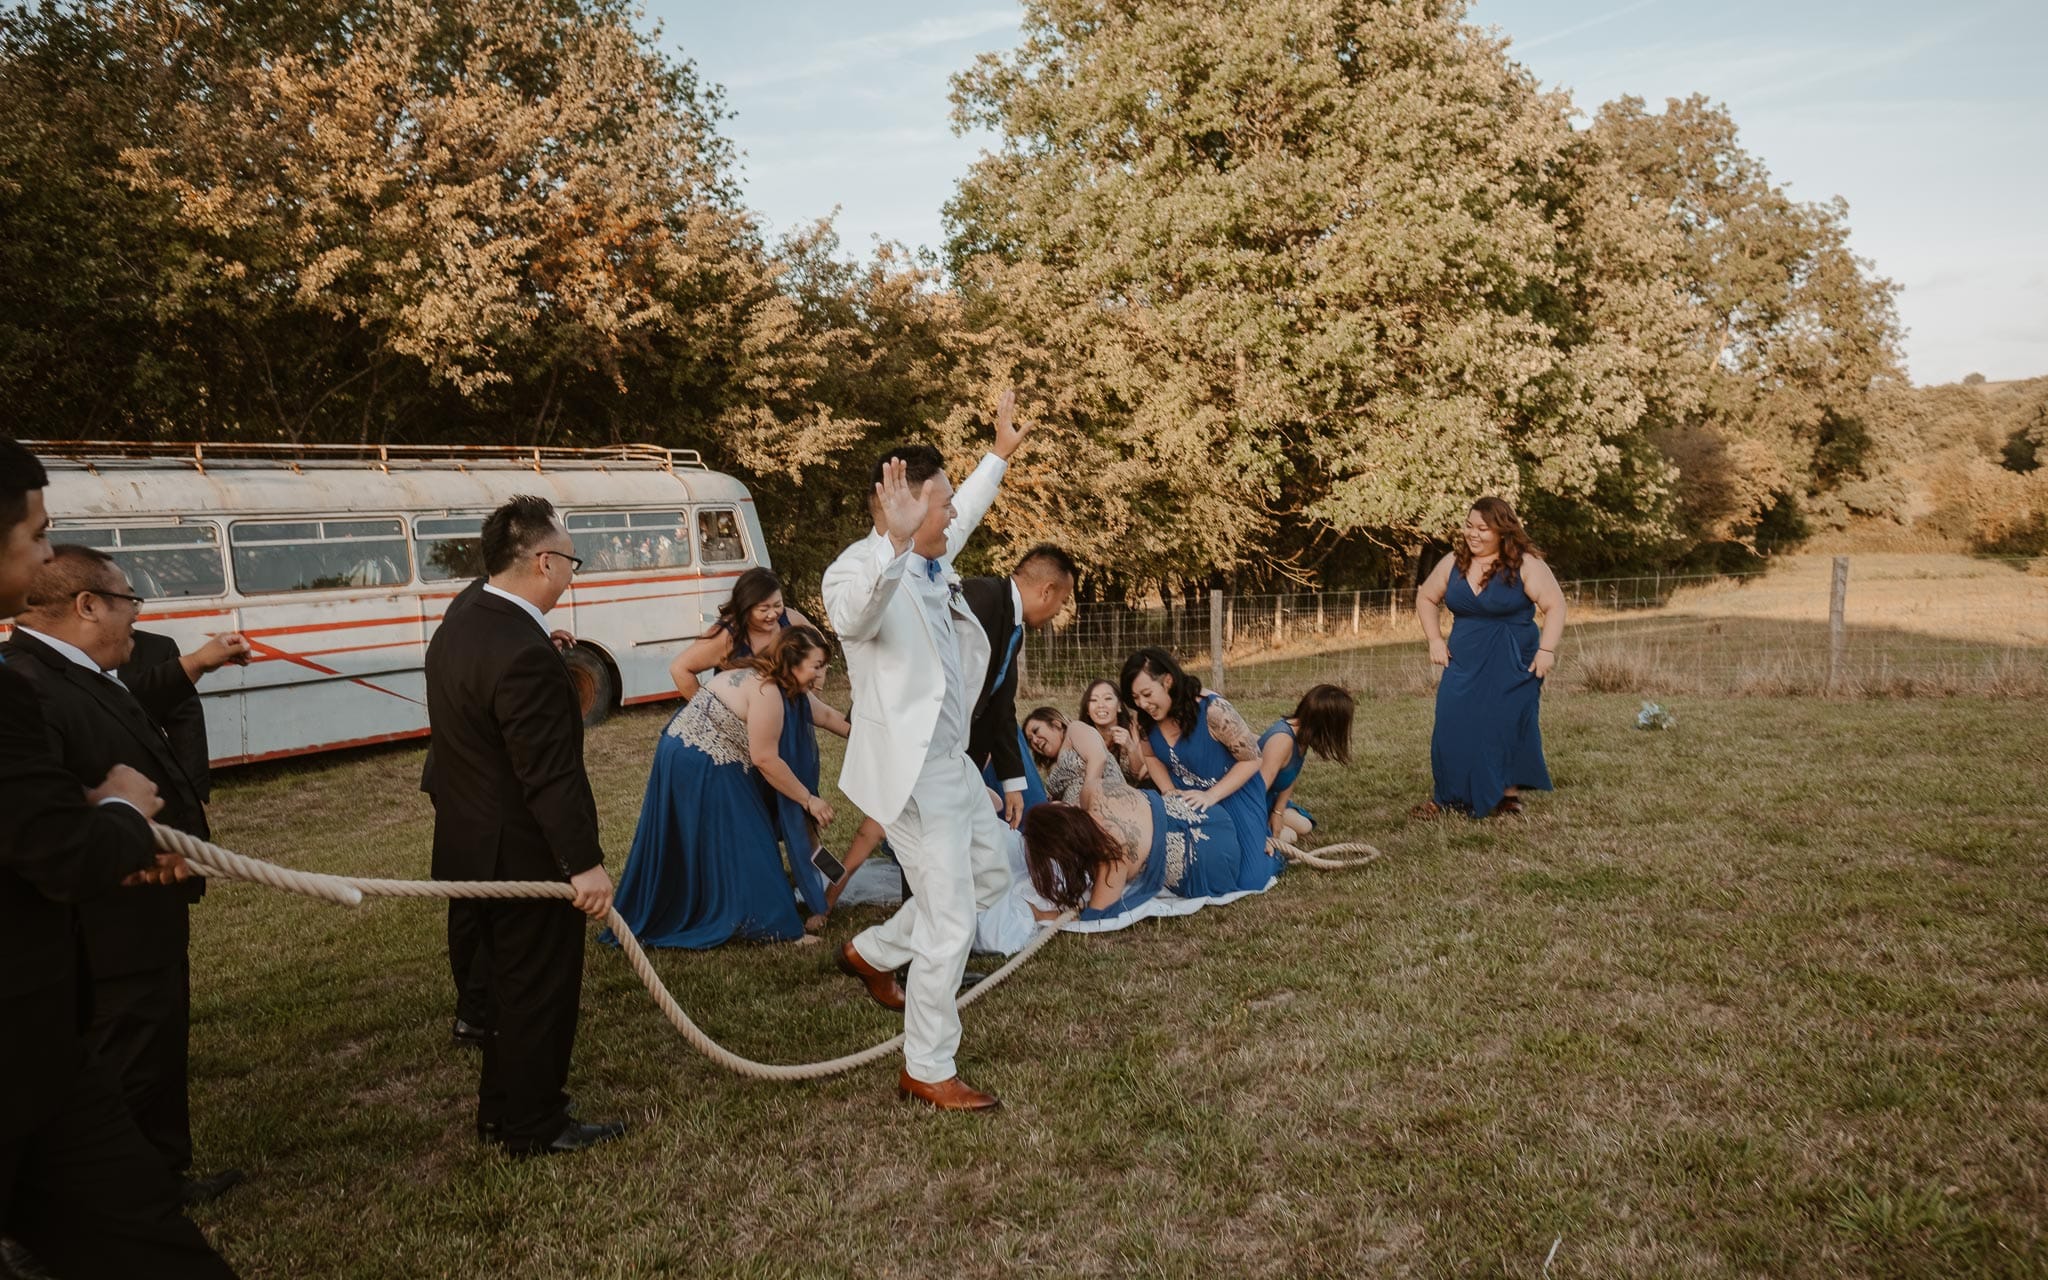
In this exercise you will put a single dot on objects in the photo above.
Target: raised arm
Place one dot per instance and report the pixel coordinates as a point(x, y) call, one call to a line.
point(1541, 585)
point(977, 493)
point(1428, 598)
point(1094, 755)
point(860, 583)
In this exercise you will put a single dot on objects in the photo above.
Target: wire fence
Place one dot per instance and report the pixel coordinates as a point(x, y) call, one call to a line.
point(1896, 625)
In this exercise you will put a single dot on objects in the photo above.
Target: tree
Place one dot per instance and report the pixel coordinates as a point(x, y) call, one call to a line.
point(1300, 273)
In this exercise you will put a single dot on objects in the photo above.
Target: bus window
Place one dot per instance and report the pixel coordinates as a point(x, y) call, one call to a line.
point(318, 555)
point(718, 537)
point(451, 548)
point(630, 539)
point(164, 562)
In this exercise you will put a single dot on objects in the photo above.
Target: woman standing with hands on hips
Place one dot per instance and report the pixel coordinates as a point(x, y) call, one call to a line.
point(1488, 743)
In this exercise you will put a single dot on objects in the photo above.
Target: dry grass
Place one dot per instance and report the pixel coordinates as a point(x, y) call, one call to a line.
point(1759, 996)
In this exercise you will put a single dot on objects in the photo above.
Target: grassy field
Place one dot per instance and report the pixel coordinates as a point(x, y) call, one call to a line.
point(1759, 996)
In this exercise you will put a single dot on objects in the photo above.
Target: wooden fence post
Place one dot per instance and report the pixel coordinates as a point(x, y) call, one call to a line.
point(1838, 631)
point(1216, 640)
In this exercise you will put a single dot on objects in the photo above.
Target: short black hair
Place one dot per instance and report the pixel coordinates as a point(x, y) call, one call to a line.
point(21, 473)
point(920, 463)
point(71, 570)
point(515, 529)
point(1045, 558)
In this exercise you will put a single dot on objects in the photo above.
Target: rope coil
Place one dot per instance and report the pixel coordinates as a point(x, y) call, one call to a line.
point(217, 863)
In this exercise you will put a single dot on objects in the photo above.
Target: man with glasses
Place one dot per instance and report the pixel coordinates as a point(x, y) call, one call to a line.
point(79, 1184)
point(512, 802)
point(77, 630)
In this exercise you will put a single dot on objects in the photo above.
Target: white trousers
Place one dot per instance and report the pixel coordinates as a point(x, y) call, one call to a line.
point(951, 846)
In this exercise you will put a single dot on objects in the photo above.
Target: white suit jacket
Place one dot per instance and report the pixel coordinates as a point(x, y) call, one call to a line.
point(892, 654)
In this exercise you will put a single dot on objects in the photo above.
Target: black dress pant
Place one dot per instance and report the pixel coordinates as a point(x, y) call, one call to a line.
point(141, 1033)
point(535, 950)
point(466, 961)
point(86, 1194)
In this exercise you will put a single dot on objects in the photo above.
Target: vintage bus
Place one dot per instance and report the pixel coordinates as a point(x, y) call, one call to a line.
point(337, 563)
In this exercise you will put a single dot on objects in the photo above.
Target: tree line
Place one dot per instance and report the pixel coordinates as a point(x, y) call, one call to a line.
point(1285, 282)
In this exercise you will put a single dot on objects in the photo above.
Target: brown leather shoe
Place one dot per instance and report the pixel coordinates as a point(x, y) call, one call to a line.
point(881, 983)
point(947, 1095)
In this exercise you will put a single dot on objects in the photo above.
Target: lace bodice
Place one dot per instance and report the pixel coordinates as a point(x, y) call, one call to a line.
point(714, 728)
point(1069, 771)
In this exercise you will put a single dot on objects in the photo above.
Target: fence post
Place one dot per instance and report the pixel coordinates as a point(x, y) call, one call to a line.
point(1838, 632)
point(1216, 640)
point(1023, 670)
point(1279, 628)
point(1357, 600)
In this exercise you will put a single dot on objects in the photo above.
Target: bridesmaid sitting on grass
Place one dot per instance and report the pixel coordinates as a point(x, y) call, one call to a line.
point(1321, 723)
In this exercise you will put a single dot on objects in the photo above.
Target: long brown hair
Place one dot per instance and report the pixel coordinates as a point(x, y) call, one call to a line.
point(1125, 716)
point(778, 662)
point(750, 589)
point(1514, 541)
point(1065, 850)
point(1323, 720)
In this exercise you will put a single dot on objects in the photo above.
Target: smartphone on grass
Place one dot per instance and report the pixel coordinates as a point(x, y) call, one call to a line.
point(828, 866)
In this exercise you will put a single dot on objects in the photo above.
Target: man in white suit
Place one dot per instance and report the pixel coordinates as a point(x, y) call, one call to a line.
point(916, 656)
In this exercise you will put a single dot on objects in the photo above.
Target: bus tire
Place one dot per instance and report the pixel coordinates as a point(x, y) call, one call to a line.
point(597, 689)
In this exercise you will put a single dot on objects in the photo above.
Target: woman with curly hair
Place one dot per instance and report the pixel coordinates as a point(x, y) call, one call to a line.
point(1488, 744)
point(705, 867)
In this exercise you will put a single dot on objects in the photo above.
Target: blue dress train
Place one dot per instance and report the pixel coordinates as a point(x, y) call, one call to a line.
point(1487, 736)
point(705, 868)
point(1199, 761)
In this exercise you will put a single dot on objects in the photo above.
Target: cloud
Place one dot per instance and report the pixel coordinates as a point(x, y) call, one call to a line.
point(1589, 23)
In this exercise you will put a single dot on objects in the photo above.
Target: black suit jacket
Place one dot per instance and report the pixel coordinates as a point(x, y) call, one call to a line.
point(992, 735)
point(92, 725)
point(55, 850)
point(511, 799)
point(463, 598)
point(158, 681)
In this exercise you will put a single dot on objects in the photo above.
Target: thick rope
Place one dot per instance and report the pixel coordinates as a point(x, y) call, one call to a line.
point(213, 861)
point(1321, 860)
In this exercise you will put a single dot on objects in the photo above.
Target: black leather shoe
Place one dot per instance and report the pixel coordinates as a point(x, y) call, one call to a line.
point(200, 1190)
point(470, 1033)
point(575, 1136)
point(970, 978)
point(489, 1131)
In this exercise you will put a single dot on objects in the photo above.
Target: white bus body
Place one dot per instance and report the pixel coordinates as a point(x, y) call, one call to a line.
point(338, 562)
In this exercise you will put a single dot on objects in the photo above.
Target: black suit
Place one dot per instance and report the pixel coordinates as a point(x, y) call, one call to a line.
point(136, 938)
point(79, 1185)
point(158, 680)
point(466, 962)
point(992, 733)
point(512, 802)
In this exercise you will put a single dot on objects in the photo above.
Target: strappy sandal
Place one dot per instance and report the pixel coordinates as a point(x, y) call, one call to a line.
point(1509, 807)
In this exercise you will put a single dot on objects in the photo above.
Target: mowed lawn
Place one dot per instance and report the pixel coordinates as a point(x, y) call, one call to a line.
point(1759, 996)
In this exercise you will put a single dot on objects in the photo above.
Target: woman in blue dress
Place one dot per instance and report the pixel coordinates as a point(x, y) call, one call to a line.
point(1202, 751)
point(705, 867)
point(1165, 843)
point(1488, 744)
point(1321, 723)
point(748, 622)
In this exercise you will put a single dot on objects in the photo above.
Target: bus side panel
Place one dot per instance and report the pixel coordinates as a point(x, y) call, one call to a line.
point(644, 625)
point(327, 672)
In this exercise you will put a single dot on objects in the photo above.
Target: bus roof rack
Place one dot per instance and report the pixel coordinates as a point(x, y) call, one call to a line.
point(200, 455)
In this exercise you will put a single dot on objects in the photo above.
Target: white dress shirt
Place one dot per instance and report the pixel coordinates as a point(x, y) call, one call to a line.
point(539, 620)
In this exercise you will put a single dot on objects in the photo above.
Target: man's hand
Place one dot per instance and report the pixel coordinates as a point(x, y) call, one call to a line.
point(220, 650)
point(563, 640)
point(593, 892)
point(903, 508)
point(169, 869)
point(124, 783)
point(1013, 808)
point(1009, 434)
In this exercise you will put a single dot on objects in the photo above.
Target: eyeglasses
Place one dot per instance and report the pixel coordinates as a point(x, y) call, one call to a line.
point(137, 601)
point(575, 562)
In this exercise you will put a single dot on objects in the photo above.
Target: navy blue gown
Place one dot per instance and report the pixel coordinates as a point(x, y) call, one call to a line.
point(1487, 737)
point(1288, 773)
point(799, 750)
point(1193, 854)
point(705, 868)
point(1199, 761)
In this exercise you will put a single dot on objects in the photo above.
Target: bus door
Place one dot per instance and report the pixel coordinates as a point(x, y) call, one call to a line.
point(334, 622)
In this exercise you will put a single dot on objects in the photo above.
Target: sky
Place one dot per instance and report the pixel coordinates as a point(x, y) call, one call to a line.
point(1930, 120)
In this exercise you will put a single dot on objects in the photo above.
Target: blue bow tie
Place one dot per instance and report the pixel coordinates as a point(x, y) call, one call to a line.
point(932, 570)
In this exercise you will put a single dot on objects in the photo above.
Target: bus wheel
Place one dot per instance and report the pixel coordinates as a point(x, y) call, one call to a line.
point(592, 680)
